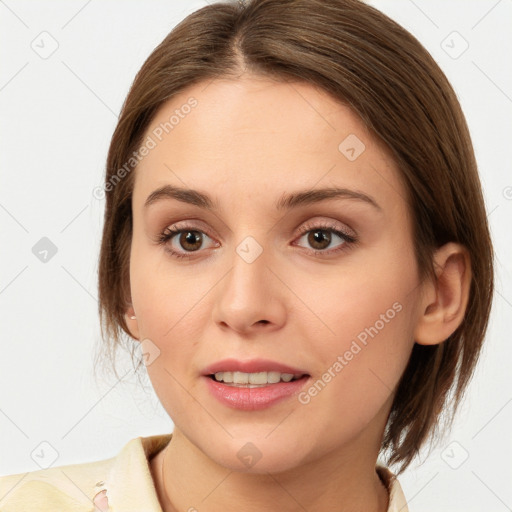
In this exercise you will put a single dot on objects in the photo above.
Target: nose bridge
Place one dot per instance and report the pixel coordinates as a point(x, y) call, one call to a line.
point(249, 274)
point(248, 293)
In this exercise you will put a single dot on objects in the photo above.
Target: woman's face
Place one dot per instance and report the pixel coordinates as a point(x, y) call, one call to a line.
point(327, 286)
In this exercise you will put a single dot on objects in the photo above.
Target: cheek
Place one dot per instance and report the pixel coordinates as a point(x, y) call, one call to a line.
point(172, 312)
point(358, 368)
point(167, 310)
point(163, 296)
point(367, 317)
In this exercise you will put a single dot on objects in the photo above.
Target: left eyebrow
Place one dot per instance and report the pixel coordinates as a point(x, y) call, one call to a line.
point(305, 197)
point(285, 202)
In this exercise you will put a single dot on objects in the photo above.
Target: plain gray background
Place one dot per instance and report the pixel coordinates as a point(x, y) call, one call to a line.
point(65, 70)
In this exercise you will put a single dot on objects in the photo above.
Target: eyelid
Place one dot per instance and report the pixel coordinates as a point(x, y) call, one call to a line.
point(178, 227)
point(348, 236)
point(327, 225)
point(187, 225)
point(320, 223)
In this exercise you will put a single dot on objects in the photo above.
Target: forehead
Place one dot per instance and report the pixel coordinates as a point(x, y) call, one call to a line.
point(254, 135)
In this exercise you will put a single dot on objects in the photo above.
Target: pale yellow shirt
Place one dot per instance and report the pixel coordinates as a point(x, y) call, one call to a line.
point(124, 480)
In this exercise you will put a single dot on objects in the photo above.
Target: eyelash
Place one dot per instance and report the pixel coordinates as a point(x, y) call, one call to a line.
point(348, 240)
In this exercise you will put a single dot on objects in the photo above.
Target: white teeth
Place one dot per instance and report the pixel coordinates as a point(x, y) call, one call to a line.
point(240, 378)
point(273, 377)
point(257, 378)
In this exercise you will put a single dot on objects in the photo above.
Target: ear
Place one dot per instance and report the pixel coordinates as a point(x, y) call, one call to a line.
point(131, 322)
point(444, 298)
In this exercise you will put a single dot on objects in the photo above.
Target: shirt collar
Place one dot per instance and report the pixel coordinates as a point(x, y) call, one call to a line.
point(130, 471)
point(397, 502)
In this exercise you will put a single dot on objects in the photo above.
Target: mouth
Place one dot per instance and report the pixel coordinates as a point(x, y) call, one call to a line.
point(255, 379)
point(253, 384)
point(254, 391)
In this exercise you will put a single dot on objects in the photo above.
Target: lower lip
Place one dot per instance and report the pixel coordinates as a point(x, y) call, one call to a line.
point(254, 399)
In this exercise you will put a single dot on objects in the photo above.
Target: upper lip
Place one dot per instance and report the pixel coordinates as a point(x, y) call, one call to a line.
point(250, 366)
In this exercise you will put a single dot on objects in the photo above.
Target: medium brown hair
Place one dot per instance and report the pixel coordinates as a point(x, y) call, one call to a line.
point(366, 61)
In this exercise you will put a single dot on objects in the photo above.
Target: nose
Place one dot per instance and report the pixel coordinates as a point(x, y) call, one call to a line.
point(251, 297)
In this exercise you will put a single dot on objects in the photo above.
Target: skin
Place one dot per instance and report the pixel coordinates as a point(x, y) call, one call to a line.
point(247, 142)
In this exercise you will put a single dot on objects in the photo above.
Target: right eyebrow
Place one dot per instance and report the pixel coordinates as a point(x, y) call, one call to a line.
point(185, 195)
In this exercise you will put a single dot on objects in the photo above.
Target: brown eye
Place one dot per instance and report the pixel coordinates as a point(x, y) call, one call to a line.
point(183, 241)
point(190, 240)
point(322, 239)
point(319, 239)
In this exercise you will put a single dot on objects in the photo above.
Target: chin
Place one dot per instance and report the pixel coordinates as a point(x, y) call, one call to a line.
point(259, 456)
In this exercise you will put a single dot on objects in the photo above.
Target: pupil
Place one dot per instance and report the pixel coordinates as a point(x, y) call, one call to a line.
point(319, 237)
point(188, 238)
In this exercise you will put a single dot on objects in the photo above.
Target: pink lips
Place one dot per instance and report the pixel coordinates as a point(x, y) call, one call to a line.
point(257, 398)
point(250, 366)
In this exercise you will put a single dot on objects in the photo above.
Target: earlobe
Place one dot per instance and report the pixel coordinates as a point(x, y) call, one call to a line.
point(445, 299)
point(131, 322)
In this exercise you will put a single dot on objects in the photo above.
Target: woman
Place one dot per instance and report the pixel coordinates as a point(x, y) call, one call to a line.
point(296, 238)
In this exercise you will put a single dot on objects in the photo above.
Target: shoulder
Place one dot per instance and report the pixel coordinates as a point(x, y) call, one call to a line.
point(70, 487)
point(74, 487)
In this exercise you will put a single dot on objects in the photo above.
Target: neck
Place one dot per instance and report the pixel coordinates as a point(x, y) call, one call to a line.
point(341, 481)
